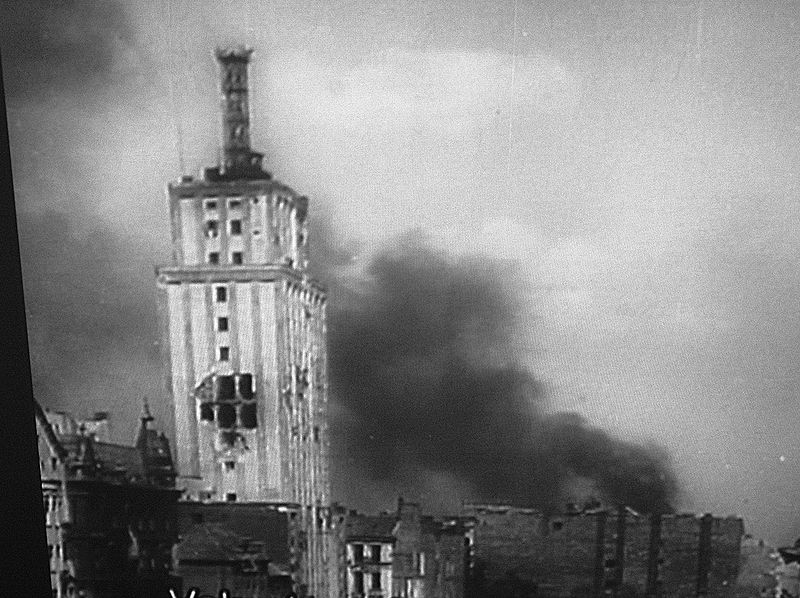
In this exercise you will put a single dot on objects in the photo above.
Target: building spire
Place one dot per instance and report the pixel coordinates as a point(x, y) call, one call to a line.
point(239, 161)
point(146, 416)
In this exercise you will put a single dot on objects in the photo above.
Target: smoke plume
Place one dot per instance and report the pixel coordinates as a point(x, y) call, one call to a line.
point(426, 382)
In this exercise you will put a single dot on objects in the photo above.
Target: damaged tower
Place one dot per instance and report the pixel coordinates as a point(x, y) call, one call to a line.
point(244, 335)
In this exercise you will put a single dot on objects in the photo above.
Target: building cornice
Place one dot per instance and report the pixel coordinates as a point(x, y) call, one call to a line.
point(212, 274)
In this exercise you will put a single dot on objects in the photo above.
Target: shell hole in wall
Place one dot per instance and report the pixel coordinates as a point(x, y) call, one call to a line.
point(226, 416)
point(224, 388)
point(207, 412)
point(227, 438)
point(247, 416)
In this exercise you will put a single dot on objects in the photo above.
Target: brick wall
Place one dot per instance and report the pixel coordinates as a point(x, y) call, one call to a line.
point(522, 552)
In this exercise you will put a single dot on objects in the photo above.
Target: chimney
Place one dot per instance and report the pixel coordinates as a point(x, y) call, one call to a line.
point(239, 161)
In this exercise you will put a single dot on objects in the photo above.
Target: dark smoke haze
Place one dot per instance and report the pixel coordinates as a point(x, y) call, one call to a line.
point(425, 378)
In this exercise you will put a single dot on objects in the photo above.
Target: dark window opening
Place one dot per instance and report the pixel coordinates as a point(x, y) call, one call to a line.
point(376, 553)
point(213, 257)
point(358, 580)
point(236, 257)
point(222, 324)
point(53, 462)
point(230, 465)
point(224, 388)
point(376, 581)
point(358, 553)
point(212, 229)
point(222, 294)
point(211, 205)
point(230, 497)
point(224, 353)
point(611, 563)
point(236, 227)
point(557, 525)
point(234, 203)
point(256, 232)
point(316, 433)
point(207, 412)
point(246, 386)
point(247, 415)
point(226, 415)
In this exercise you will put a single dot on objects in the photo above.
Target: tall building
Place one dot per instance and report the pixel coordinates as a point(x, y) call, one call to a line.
point(244, 334)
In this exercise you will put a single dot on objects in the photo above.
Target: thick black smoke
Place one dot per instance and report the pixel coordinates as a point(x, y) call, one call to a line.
point(425, 378)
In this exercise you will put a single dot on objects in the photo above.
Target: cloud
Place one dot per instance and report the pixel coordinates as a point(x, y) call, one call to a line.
point(397, 88)
point(53, 47)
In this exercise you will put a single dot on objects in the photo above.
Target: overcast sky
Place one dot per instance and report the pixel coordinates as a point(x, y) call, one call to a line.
point(635, 162)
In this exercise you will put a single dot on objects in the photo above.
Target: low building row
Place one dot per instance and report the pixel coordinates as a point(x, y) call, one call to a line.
point(117, 526)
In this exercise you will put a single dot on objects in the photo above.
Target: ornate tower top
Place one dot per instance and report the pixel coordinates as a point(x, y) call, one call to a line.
point(239, 161)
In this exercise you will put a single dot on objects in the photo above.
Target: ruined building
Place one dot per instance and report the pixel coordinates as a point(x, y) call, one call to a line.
point(244, 337)
point(111, 510)
point(404, 554)
point(595, 553)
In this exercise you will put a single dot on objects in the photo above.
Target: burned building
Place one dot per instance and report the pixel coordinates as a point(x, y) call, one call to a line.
point(404, 554)
point(244, 330)
point(600, 552)
point(111, 510)
point(370, 544)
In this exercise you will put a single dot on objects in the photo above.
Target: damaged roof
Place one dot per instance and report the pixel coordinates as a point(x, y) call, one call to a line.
point(215, 542)
point(371, 527)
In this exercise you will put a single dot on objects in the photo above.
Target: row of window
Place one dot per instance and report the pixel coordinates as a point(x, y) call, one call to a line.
point(233, 204)
point(212, 228)
point(237, 258)
point(360, 549)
